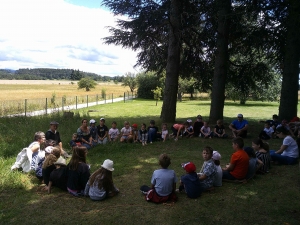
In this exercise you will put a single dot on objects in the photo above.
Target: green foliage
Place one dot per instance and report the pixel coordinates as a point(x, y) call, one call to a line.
point(147, 81)
point(130, 81)
point(103, 93)
point(86, 83)
point(157, 93)
point(53, 99)
point(186, 86)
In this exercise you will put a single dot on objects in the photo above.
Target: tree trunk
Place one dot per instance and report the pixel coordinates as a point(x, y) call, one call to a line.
point(290, 76)
point(221, 61)
point(168, 113)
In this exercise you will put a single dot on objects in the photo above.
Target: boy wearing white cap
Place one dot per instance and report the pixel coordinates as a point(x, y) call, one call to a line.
point(93, 131)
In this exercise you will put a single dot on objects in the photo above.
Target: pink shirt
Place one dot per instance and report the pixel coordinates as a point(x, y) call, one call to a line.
point(178, 126)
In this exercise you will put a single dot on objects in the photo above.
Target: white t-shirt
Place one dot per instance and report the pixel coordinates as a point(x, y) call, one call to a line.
point(164, 133)
point(126, 131)
point(292, 149)
point(269, 131)
point(113, 133)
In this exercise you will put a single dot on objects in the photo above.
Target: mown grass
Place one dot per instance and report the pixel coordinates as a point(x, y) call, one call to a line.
point(267, 199)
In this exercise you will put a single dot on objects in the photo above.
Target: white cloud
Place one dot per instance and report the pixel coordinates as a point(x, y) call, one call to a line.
point(56, 34)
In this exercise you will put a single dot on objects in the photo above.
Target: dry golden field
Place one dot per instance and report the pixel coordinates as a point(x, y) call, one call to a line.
point(32, 89)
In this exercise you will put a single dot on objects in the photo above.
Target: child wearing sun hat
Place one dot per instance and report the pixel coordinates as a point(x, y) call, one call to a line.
point(100, 184)
point(190, 181)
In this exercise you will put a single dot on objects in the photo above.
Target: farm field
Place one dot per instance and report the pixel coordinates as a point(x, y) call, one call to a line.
point(266, 199)
point(32, 89)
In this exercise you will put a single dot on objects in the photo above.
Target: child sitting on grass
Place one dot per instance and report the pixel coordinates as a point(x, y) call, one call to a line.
point(254, 163)
point(188, 132)
point(152, 131)
point(75, 141)
point(267, 132)
point(100, 184)
point(135, 132)
point(113, 133)
point(59, 176)
point(239, 162)
point(164, 132)
point(78, 172)
point(48, 165)
point(143, 135)
point(218, 176)
point(205, 131)
point(208, 170)
point(126, 133)
point(262, 153)
point(163, 183)
point(219, 130)
point(190, 181)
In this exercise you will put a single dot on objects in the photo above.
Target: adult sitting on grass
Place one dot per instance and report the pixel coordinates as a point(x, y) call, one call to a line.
point(53, 134)
point(163, 183)
point(84, 134)
point(239, 127)
point(288, 153)
point(27, 157)
point(239, 162)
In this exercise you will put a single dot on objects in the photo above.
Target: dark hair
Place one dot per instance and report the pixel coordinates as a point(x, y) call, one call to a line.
point(78, 155)
point(114, 122)
point(267, 122)
point(208, 149)
point(83, 120)
point(250, 152)
point(164, 160)
point(50, 142)
point(144, 125)
point(282, 129)
point(152, 122)
point(275, 116)
point(239, 141)
point(103, 178)
point(262, 144)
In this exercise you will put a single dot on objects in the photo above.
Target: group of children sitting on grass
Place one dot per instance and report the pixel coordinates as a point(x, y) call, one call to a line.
point(51, 167)
point(100, 134)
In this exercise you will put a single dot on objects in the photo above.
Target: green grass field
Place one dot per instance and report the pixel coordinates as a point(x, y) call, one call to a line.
point(266, 199)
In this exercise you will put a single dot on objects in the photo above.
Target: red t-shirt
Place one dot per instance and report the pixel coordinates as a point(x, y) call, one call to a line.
point(241, 160)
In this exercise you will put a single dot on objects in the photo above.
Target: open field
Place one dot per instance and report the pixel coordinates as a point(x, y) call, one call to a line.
point(266, 199)
point(32, 89)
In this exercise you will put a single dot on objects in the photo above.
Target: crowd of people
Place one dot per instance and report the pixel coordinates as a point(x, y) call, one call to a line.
point(49, 162)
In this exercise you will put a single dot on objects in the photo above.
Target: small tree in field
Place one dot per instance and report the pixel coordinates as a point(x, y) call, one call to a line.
point(157, 93)
point(86, 83)
point(130, 81)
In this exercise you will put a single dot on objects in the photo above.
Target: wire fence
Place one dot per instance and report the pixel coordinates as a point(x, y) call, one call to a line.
point(39, 106)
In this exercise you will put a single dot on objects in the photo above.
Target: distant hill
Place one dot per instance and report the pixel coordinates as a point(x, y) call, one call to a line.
point(52, 74)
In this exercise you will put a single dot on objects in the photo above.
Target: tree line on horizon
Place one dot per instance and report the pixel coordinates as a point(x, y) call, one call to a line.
point(53, 74)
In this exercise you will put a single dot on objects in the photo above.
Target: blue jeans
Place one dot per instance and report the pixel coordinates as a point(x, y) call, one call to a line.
point(282, 159)
point(152, 135)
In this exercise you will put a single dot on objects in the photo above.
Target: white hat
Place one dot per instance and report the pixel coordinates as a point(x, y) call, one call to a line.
point(216, 155)
point(92, 121)
point(239, 115)
point(102, 119)
point(189, 121)
point(61, 161)
point(108, 164)
point(49, 149)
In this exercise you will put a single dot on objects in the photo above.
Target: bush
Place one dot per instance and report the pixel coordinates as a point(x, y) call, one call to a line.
point(146, 83)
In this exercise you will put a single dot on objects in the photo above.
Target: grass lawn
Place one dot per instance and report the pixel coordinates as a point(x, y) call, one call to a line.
point(266, 199)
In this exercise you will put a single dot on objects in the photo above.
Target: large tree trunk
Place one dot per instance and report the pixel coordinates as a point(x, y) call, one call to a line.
point(221, 61)
point(168, 113)
point(290, 76)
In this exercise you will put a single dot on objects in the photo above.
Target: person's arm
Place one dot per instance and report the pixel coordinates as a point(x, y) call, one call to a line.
point(259, 164)
point(231, 127)
point(229, 168)
point(202, 176)
point(282, 148)
point(245, 127)
point(35, 148)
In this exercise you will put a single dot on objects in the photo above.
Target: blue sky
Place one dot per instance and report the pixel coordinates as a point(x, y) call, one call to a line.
point(60, 34)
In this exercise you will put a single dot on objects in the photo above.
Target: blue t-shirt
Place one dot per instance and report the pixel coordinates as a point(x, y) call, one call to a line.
point(191, 185)
point(163, 180)
point(239, 124)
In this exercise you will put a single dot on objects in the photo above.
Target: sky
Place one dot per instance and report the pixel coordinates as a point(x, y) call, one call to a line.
point(64, 34)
